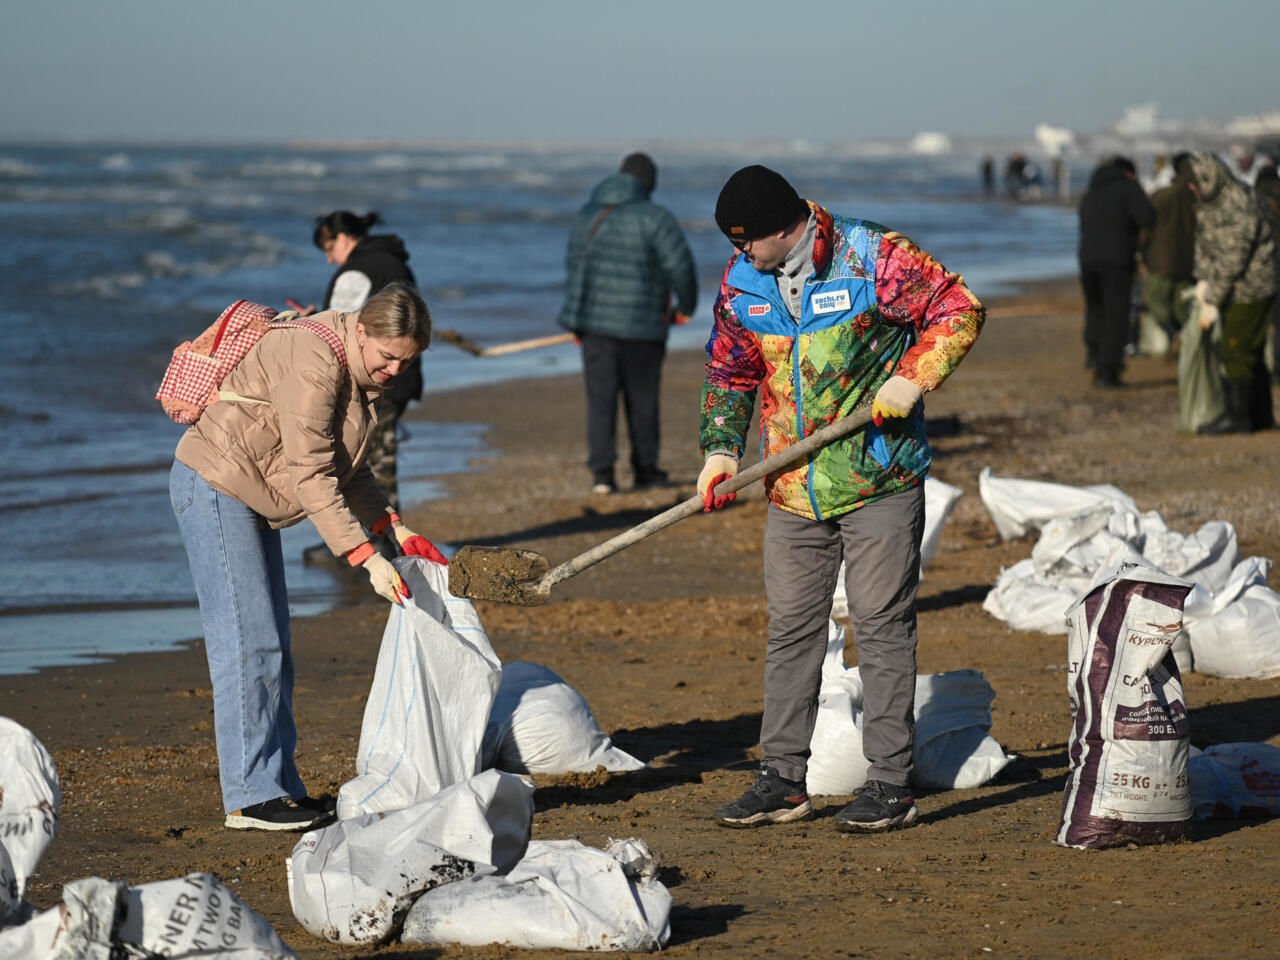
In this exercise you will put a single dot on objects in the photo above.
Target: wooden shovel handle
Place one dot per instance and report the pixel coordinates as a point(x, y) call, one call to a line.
point(797, 451)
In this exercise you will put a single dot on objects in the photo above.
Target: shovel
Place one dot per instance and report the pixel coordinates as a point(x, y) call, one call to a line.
point(525, 578)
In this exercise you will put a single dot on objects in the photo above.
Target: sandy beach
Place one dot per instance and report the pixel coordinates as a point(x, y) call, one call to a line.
point(666, 642)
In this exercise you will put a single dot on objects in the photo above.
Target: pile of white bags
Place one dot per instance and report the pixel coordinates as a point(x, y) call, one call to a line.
point(953, 746)
point(1128, 780)
point(432, 819)
point(1232, 618)
point(540, 724)
point(193, 916)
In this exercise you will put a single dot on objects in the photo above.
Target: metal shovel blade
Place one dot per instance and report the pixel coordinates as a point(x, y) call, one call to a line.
point(500, 574)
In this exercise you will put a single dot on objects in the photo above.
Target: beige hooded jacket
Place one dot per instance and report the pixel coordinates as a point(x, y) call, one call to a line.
point(300, 452)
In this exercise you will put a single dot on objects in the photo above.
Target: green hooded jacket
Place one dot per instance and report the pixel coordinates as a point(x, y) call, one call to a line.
point(626, 256)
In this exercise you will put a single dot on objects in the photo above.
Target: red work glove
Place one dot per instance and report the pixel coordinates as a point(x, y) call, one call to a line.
point(416, 545)
point(718, 468)
point(679, 319)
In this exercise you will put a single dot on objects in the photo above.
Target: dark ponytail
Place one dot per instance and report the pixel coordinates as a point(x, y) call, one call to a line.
point(343, 221)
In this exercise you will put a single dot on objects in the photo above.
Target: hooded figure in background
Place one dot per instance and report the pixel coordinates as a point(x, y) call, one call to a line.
point(627, 261)
point(1235, 271)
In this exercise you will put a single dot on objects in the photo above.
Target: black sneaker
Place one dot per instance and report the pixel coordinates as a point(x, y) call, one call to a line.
point(326, 803)
point(770, 799)
point(279, 814)
point(878, 806)
point(602, 483)
point(648, 479)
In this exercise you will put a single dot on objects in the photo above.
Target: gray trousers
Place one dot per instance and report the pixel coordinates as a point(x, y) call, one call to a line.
point(880, 544)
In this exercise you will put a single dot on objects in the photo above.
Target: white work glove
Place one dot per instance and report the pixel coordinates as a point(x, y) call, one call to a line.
point(894, 400)
point(386, 581)
point(1209, 313)
point(718, 468)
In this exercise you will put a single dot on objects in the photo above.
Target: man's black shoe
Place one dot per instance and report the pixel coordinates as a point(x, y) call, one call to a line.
point(770, 799)
point(879, 806)
point(279, 814)
point(648, 479)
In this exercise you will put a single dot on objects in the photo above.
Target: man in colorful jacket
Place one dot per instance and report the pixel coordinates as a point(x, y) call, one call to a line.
point(823, 314)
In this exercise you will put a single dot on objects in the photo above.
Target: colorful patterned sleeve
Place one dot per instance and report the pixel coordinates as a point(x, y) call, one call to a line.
point(734, 371)
point(913, 288)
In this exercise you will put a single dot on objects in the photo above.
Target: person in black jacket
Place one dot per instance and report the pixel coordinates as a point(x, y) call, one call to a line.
point(366, 263)
point(1113, 211)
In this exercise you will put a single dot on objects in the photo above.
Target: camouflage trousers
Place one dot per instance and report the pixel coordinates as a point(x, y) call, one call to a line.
point(382, 450)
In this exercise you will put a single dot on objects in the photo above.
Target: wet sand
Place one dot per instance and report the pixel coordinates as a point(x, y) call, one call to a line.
point(666, 640)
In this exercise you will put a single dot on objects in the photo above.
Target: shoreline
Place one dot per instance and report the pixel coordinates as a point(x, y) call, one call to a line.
point(665, 642)
point(1033, 298)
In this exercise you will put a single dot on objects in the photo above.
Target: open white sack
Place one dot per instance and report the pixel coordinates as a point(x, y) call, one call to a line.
point(1020, 506)
point(432, 688)
point(953, 746)
point(1237, 633)
point(196, 916)
point(354, 880)
point(561, 896)
point(1230, 780)
point(540, 724)
point(30, 798)
point(939, 500)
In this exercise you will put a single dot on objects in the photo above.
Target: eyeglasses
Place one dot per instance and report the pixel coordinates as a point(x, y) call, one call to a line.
point(741, 245)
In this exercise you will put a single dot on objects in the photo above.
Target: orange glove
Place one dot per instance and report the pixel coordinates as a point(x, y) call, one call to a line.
point(718, 468)
point(416, 545)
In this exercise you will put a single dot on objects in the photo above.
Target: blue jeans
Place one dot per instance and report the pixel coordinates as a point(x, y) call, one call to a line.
point(238, 570)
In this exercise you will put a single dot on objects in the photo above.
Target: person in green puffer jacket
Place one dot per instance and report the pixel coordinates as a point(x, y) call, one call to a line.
point(627, 260)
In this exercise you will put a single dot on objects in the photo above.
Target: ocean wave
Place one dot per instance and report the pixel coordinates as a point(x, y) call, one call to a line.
point(294, 167)
point(13, 167)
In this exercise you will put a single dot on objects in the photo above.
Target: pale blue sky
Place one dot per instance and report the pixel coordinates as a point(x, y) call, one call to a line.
point(574, 70)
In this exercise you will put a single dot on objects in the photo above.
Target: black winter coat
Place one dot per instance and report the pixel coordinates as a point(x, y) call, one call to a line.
point(1113, 211)
point(384, 259)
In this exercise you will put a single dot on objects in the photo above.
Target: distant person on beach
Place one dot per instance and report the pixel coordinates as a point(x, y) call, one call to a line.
point(627, 258)
point(988, 173)
point(1169, 254)
point(822, 315)
point(247, 469)
point(1267, 189)
point(1235, 271)
point(1113, 211)
point(366, 263)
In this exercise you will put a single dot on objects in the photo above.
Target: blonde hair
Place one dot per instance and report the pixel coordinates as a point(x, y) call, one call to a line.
point(397, 310)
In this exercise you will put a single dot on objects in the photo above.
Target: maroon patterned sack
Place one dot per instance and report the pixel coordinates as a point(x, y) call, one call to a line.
point(1129, 739)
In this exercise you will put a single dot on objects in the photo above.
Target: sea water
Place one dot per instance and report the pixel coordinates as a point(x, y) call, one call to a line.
point(112, 254)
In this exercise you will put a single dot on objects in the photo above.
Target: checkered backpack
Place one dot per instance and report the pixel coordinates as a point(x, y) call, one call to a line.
point(199, 366)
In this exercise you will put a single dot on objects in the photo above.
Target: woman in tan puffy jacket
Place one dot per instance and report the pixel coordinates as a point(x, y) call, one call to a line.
point(287, 441)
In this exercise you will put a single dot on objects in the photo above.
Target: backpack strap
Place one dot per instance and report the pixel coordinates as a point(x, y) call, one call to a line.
point(327, 334)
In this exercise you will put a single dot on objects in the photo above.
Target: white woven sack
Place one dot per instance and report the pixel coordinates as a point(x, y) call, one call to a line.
point(354, 880)
point(196, 916)
point(540, 724)
point(30, 798)
point(429, 701)
point(561, 896)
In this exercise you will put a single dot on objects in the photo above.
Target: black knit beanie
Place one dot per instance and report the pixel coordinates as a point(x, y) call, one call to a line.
point(642, 167)
point(756, 202)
